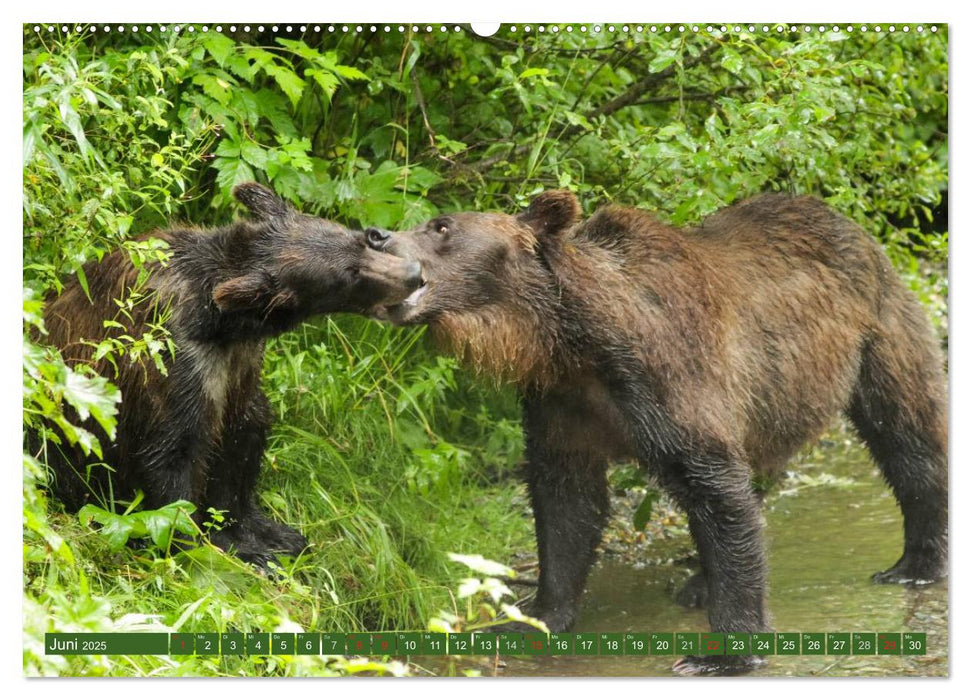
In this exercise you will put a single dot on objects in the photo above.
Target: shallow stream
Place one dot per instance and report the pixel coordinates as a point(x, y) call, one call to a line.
point(830, 526)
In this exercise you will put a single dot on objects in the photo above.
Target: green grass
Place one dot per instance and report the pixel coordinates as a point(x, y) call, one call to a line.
point(386, 458)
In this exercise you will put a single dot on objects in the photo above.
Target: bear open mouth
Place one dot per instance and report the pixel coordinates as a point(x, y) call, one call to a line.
point(413, 298)
point(405, 311)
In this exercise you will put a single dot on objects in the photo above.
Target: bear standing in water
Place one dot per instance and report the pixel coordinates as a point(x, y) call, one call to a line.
point(707, 355)
point(199, 433)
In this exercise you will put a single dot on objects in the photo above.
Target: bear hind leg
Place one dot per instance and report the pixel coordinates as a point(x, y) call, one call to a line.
point(899, 410)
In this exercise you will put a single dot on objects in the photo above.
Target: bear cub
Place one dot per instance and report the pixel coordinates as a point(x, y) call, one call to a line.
point(199, 433)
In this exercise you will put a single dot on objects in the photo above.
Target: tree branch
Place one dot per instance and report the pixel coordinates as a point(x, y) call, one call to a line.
point(688, 97)
point(424, 111)
point(629, 97)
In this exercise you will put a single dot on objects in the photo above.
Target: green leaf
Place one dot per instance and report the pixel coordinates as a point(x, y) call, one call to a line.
point(533, 72)
point(216, 88)
point(232, 172)
point(823, 112)
point(228, 148)
point(731, 60)
point(578, 120)
point(92, 396)
point(662, 60)
point(241, 66)
point(253, 154)
point(300, 48)
point(72, 121)
point(220, 47)
point(273, 107)
point(83, 281)
point(291, 84)
point(421, 179)
point(162, 524)
point(643, 513)
point(328, 81)
point(350, 73)
point(31, 137)
point(116, 529)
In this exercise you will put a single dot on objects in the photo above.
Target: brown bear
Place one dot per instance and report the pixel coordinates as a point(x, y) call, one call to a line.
point(706, 355)
point(198, 432)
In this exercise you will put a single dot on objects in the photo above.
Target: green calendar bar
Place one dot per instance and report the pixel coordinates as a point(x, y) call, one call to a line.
point(662, 643)
point(257, 644)
point(586, 644)
point(915, 643)
point(488, 643)
point(207, 644)
point(110, 644)
point(738, 643)
point(864, 643)
point(787, 643)
point(283, 643)
point(888, 643)
point(637, 644)
point(712, 644)
point(434, 643)
point(763, 643)
point(838, 643)
point(813, 643)
point(182, 644)
point(460, 643)
point(511, 643)
point(358, 643)
point(333, 644)
point(536, 643)
point(561, 643)
point(383, 644)
point(308, 643)
point(231, 644)
point(409, 643)
point(687, 643)
point(611, 644)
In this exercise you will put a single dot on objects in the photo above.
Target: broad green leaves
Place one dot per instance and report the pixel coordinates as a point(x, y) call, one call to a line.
point(161, 525)
point(50, 385)
point(258, 96)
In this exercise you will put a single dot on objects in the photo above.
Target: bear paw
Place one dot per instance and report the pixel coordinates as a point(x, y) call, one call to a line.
point(278, 537)
point(911, 573)
point(717, 665)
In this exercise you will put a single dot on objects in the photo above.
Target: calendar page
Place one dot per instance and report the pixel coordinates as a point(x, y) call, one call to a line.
point(542, 349)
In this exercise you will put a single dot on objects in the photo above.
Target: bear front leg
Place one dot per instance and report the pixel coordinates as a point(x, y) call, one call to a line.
point(172, 454)
point(725, 521)
point(231, 487)
point(570, 504)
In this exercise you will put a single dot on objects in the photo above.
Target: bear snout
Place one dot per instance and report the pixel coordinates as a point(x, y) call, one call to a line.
point(413, 275)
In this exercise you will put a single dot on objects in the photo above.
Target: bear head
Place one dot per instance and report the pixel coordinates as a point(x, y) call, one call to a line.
point(284, 266)
point(472, 260)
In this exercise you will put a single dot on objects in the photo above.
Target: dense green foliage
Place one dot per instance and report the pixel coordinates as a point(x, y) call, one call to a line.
point(385, 455)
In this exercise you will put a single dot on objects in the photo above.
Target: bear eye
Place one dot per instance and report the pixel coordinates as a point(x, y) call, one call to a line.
point(441, 229)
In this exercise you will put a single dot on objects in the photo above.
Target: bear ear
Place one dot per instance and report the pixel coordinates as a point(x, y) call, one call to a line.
point(551, 213)
point(261, 201)
point(242, 292)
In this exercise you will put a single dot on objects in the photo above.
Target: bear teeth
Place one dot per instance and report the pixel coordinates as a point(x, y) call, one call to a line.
point(416, 295)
